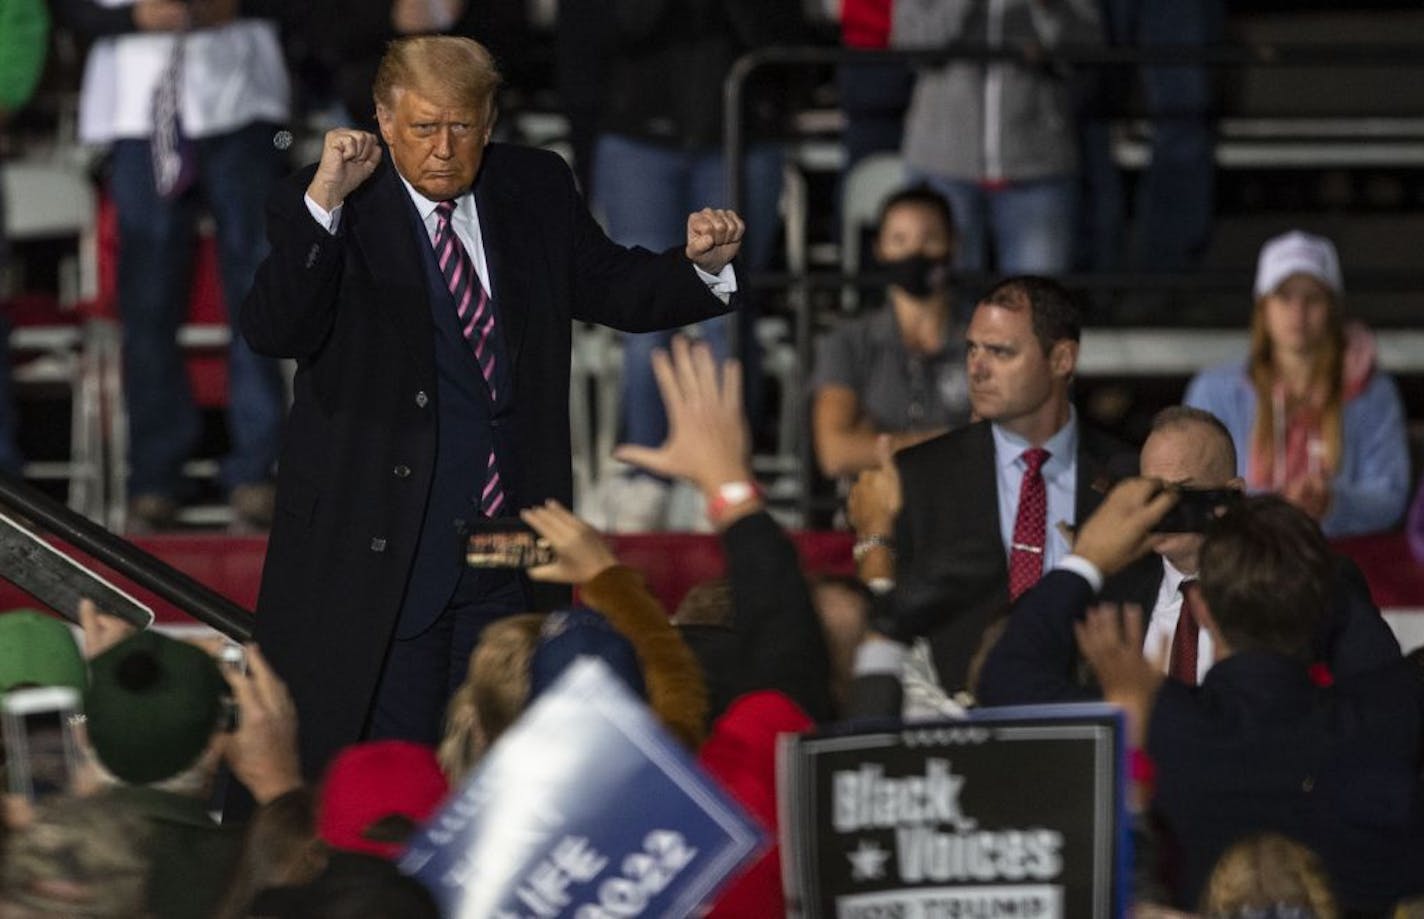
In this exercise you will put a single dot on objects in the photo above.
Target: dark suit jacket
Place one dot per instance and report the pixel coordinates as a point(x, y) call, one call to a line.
point(361, 442)
point(1036, 660)
point(951, 570)
point(775, 640)
point(1259, 747)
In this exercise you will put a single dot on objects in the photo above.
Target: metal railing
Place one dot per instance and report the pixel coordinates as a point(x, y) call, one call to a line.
point(145, 570)
point(798, 284)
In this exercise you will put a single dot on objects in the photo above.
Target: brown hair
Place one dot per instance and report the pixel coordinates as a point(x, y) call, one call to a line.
point(1267, 870)
point(1327, 379)
point(1265, 575)
point(447, 69)
point(1055, 315)
point(280, 848)
point(494, 692)
point(707, 603)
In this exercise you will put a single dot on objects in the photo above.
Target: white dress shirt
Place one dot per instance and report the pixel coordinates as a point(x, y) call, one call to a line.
point(467, 228)
point(1163, 624)
point(233, 75)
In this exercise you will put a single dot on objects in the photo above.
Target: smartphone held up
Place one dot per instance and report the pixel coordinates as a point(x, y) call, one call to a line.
point(41, 750)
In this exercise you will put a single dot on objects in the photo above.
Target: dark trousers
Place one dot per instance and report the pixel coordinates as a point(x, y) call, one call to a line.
point(422, 671)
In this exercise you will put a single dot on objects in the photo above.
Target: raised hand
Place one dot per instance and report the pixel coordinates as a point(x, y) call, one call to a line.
point(1111, 643)
point(876, 497)
point(348, 157)
point(262, 752)
point(1120, 530)
point(707, 443)
point(580, 552)
point(101, 631)
point(714, 236)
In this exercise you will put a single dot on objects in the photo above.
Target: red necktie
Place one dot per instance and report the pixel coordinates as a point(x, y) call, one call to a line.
point(1030, 526)
point(1183, 662)
point(476, 315)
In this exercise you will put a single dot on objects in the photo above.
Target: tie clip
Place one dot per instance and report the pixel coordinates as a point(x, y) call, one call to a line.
point(1024, 547)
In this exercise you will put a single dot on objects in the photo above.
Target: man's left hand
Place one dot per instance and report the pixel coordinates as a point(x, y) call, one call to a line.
point(714, 236)
point(1111, 642)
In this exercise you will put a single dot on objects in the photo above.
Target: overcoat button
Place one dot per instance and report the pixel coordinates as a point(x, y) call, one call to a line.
point(378, 544)
point(421, 399)
point(402, 472)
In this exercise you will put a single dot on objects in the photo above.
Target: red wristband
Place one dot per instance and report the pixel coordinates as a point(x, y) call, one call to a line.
point(730, 495)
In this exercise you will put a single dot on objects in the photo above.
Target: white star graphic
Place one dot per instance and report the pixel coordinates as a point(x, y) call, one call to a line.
point(867, 862)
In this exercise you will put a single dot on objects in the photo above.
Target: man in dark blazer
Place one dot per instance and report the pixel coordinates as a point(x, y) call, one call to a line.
point(431, 392)
point(952, 538)
point(1036, 659)
point(1259, 746)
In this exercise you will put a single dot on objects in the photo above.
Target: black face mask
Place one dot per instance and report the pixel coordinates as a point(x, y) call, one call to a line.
point(918, 275)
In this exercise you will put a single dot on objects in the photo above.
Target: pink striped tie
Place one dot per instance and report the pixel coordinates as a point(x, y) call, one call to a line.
point(476, 315)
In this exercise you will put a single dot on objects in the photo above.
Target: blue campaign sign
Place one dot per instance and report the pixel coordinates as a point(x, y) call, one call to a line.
point(585, 808)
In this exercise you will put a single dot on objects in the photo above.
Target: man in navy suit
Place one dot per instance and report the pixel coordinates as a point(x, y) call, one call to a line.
point(1260, 745)
point(425, 282)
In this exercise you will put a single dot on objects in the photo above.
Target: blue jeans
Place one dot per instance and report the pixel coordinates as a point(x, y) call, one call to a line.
point(156, 244)
point(1174, 198)
point(1030, 223)
point(9, 454)
point(646, 192)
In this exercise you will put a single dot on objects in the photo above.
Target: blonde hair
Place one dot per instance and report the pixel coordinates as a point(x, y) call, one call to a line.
point(1327, 378)
point(447, 69)
point(493, 695)
point(1268, 870)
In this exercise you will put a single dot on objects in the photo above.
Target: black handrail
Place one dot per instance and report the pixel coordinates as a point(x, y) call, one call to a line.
point(145, 570)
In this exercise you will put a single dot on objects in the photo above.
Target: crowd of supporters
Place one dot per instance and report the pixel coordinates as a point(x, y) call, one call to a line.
point(1007, 552)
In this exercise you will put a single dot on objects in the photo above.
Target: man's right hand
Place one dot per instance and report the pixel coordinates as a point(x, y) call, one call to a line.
point(348, 157)
point(1120, 530)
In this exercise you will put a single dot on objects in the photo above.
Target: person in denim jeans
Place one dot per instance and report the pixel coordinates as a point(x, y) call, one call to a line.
point(997, 139)
point(659, 155)
point(229, 80)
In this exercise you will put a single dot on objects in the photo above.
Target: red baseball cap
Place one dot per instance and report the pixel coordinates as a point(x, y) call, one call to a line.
point(368, 782)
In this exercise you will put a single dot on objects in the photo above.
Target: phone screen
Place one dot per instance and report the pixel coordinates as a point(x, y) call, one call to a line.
point(1196, 508)
point(40, 751)
point(507, 548)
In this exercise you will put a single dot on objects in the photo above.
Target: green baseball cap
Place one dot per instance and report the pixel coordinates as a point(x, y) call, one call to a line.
point(152, 706)
point(38, 650)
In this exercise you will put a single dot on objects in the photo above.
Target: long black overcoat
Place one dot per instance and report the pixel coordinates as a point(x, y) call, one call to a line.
point(360, 442)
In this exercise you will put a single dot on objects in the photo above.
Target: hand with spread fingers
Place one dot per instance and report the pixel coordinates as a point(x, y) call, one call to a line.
point(580, 552)
point(707, 443)
point(262, 752)
point(1120, 531)
point(714, 236)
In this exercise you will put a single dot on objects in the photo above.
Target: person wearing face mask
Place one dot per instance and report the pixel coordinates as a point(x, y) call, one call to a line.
point(1311, 416)
point(899, 370)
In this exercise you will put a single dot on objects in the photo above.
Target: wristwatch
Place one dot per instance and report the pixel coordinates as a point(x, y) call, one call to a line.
point(729, 495)
point(867, 544)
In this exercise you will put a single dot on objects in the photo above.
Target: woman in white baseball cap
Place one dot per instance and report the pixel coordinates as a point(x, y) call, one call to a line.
point(1312, 416)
